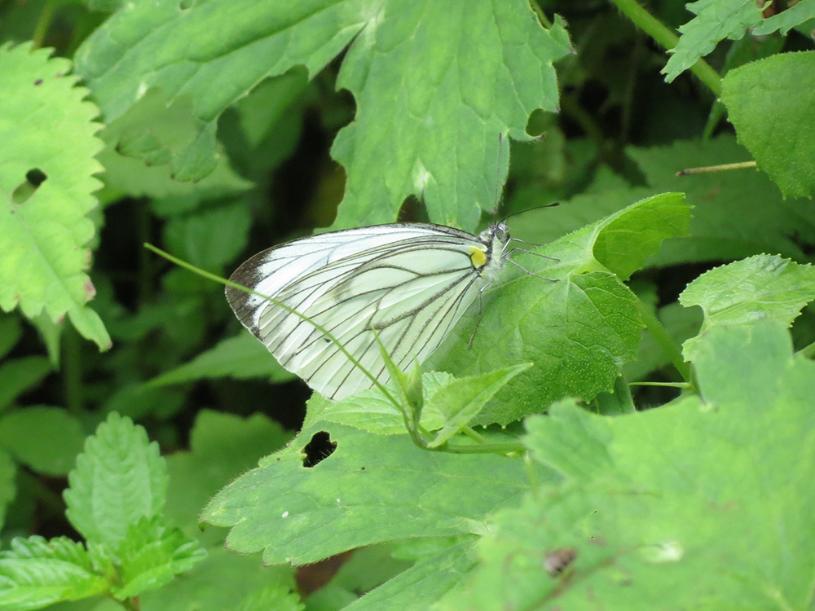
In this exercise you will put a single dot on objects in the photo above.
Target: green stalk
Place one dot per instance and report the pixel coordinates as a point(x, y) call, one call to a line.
point(72, 370)
point(43, 23)
point(667, 39)
point(623, 394)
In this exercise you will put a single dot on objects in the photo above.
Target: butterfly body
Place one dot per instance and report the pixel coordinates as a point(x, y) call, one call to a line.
point(405, 284)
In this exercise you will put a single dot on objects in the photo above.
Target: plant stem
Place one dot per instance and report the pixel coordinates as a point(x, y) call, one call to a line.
point(665, 341)
point(43, 23)
point(541, 15)
point(485, 448)
point(623, 394)
point(469, 432)
point(667, 39)
point(665, 384)
point(722, 167)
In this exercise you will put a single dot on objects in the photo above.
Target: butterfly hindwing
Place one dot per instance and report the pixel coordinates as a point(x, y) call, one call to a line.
point(408, 284)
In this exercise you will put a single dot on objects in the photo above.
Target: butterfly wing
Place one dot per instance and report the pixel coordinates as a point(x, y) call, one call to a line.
point(408, 284)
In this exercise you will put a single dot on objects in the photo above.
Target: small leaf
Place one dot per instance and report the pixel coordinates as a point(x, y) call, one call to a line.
point(242, 357)
point(36, 573)
point(741, 293)
point(47, 439)
point(715, 20)
point(8, 476)
point(44, 235)
point(19, 375)
point(118, 479)
point(151, 555)
point(10, 332)
point(770, 103)
point(792, 16)
point(462, 400)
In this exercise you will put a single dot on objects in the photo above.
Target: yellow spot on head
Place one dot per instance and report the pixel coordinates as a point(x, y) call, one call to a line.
point(478, 257)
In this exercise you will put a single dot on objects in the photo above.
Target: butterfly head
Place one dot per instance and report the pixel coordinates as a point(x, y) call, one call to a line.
point(496, 237)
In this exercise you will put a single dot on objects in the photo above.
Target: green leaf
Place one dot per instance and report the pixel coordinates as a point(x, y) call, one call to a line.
point(118, 479)
point(460, 401)
point(242, 357)
point(19, 375)
point(10, 332)
point(46, 183)
point(708, 499)
point(790, 17)
point(366, 491)
point(8, 475)
point(736, 214)
point(151, 555)
point(782, 87)
point(212, 237)
point(578, 330)
point(423, 584)
point(715, 20)
point(47, 439)
point(36, 573)
point(222, 446)
point(503, 73)
point(758, 288)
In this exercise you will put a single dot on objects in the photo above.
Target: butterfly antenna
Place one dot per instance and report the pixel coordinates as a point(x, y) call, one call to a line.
point(533, 252)
point(530, 273)
point(501, 166)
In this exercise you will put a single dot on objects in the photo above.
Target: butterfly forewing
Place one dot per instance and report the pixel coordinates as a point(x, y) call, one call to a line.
point(406, 284)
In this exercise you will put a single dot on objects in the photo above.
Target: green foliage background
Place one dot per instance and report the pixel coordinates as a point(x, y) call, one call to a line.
point(627, 424)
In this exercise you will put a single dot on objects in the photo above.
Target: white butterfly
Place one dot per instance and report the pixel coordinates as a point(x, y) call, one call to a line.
point(407, 283)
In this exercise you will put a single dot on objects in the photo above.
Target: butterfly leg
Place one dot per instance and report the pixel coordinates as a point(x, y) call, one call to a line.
point(478, 320)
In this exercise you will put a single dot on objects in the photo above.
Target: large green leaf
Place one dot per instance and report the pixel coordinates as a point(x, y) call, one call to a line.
point(46, 182)
point(47, 439)
point(578, 330)
point(435, 85)
point(368, 490)
point(736, 214)
point(761, 287)
point(782, 87)
point(35, 573)
point(118, 479)
point(715, 20)
point(708, 499)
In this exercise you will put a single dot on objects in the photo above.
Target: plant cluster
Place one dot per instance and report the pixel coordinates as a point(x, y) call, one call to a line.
point(625, 424)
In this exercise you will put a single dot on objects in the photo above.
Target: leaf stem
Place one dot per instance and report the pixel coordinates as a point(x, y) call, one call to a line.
point(667, 39)
point(623, 394)
point(541, 15)
point(666, 384)
point(72, 371)
point(472, 434)
point(665, 341)
point(485, 448)
point(722, 167)
point(43, 23)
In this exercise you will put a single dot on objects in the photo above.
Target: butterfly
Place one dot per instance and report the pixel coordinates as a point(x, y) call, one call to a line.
point(402, 285)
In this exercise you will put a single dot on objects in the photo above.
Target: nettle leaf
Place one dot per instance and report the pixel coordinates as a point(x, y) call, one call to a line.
point(46, 181)
point(222, 446)
point(224, 580)
point(432, 132)
point(715, 21)
point(789, 18)
point(36, 573)
point(782, 87)
point(369, 489)
point(151, 555)
point(574, 319)
point(672, 499)
point(736, 214)
point(241, 357)
point(740, 293)
point(19, 375)
point(47, 439)
point(118, 479)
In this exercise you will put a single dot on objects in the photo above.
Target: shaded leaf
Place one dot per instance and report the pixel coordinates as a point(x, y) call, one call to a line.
point(47, 439)
point(19, 375)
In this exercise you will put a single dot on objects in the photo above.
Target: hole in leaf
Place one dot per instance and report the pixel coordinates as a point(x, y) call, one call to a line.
point(186, 5)
point(33, 179)
point(556, 561)
point(318, 449)
point(38, 82)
